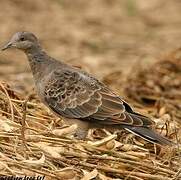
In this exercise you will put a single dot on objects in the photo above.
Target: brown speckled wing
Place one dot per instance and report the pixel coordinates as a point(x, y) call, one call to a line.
point(77, 95)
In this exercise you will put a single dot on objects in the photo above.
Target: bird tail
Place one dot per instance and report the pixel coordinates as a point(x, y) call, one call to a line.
point(148, 134)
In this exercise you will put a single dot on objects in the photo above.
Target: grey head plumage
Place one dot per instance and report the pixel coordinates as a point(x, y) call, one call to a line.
point(39, 61)
point(23, 41)
point(73, 93)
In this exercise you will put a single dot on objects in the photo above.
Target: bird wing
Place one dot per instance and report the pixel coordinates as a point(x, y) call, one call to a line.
point(75, 94)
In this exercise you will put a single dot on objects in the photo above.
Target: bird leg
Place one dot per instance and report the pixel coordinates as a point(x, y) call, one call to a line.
point(82, 129)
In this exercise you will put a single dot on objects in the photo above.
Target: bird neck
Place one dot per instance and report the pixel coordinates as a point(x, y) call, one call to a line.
point(38, 60)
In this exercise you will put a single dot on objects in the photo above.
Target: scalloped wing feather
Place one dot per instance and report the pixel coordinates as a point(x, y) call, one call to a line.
point(77, 95)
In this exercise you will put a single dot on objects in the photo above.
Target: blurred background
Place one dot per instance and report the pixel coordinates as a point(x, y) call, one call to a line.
point(101, 36)
point(131, 45)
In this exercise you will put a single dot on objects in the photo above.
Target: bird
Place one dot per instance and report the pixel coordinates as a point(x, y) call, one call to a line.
point(78, 96)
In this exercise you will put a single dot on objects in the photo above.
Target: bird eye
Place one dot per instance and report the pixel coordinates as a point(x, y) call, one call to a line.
point(22, 39)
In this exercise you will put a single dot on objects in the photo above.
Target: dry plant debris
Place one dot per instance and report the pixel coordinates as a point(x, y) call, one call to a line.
point(35, 142)
point(159, 87)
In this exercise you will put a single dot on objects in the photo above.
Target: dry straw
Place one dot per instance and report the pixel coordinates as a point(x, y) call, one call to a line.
point(34, 142)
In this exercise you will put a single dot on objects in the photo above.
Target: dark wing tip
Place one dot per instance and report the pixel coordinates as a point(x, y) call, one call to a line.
point(149, 135)
point(145, 121)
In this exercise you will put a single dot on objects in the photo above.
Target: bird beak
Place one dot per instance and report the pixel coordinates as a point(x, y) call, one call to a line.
point(7, 46)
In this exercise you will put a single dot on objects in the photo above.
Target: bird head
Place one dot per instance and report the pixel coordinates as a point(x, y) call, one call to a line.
point(22, 41)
